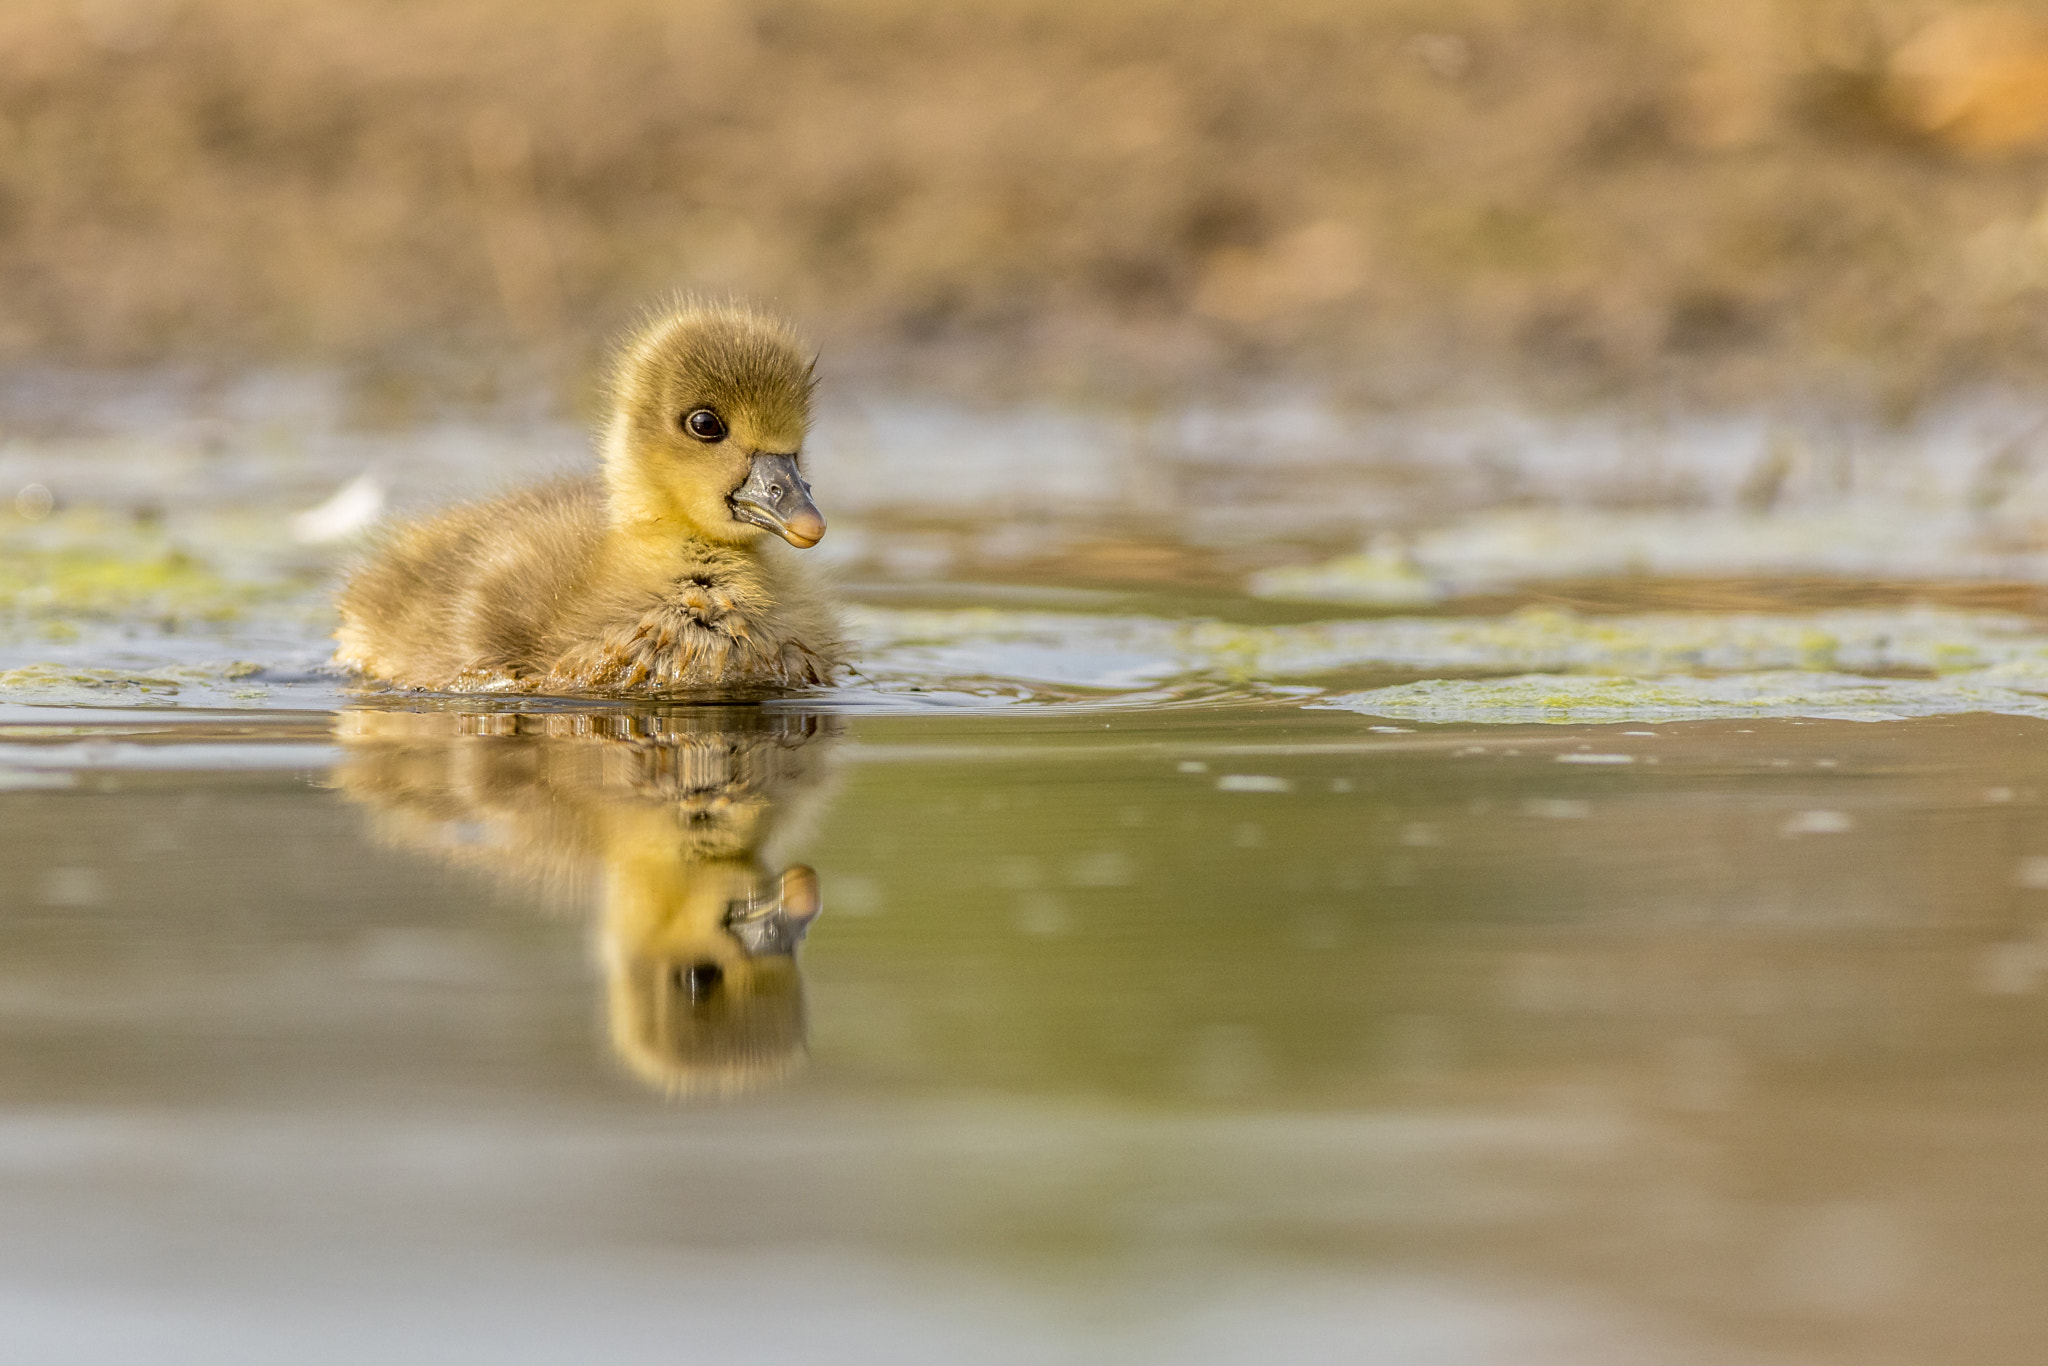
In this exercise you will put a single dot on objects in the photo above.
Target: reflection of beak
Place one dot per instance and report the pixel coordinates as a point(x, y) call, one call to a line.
point(775, 496)
point(776, 923)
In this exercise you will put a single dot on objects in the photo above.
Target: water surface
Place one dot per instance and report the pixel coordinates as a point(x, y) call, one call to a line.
point(1171, 1034)
point(1452, 948)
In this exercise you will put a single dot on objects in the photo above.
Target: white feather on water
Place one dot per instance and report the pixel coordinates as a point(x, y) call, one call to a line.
point(351, 510)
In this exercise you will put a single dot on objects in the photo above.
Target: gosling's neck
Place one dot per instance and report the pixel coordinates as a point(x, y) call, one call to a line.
point(643, 522)
point(632, 505)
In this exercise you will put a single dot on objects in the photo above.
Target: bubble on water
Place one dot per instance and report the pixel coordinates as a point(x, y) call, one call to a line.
point(1817, 823)
point(1421, 835)
point(1191, 766)
point(1252, 782)
point(1249, 836)
point(1340, 785)
point(2032, 872)
point(1596, 758)
point(34, 502)
point(1998, 794)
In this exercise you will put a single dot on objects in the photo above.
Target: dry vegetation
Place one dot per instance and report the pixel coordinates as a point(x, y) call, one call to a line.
point(1734, 195)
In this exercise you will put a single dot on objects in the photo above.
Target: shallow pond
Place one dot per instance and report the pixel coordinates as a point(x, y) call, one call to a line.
point(1624, 971)
point(1174, 1035)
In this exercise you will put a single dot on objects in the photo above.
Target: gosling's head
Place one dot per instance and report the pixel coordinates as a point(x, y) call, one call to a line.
point(710, 405)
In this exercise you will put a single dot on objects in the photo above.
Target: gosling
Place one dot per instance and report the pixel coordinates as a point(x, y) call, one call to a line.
point(661, 575)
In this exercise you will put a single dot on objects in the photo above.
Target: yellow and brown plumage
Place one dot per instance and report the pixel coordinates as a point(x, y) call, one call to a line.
point(663, 573)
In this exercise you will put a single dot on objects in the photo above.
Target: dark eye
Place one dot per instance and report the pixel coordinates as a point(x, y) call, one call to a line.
point(704, 425)
point(699, 979)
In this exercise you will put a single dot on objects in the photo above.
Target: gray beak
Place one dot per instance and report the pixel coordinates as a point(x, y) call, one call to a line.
point(776, 923)
point(775, 496)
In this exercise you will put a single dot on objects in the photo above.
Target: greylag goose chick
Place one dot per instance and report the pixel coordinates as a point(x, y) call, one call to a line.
point(666, 572)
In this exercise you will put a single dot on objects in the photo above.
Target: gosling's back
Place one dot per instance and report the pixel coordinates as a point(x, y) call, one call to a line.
point(473, 597)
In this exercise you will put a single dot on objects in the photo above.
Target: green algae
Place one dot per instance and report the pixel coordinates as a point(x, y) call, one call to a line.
point(79, 583)
point(89, 566)
point(45, 679)
point(1898, 539)
point(1573, 699)
point(1107, 649)
point(92, 603)
point(234, 684)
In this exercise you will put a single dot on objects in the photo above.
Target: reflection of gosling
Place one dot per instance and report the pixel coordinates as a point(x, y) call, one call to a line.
point(663, 823)
point(702, 980)
point(661, 576)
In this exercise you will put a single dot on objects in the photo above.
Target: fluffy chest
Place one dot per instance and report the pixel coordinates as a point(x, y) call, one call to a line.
point(697, 617)
point(689, 576)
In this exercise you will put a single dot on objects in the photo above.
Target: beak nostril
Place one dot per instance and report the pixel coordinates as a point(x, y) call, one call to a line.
point(776, 496)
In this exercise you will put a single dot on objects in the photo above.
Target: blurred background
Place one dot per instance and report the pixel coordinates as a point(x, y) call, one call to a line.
point(1729, 201)
point(1145, 292)
point(1446, 765)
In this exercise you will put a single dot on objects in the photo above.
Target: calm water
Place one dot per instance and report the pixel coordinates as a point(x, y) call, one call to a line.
point(1424, 940)
point(1211, 1033)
